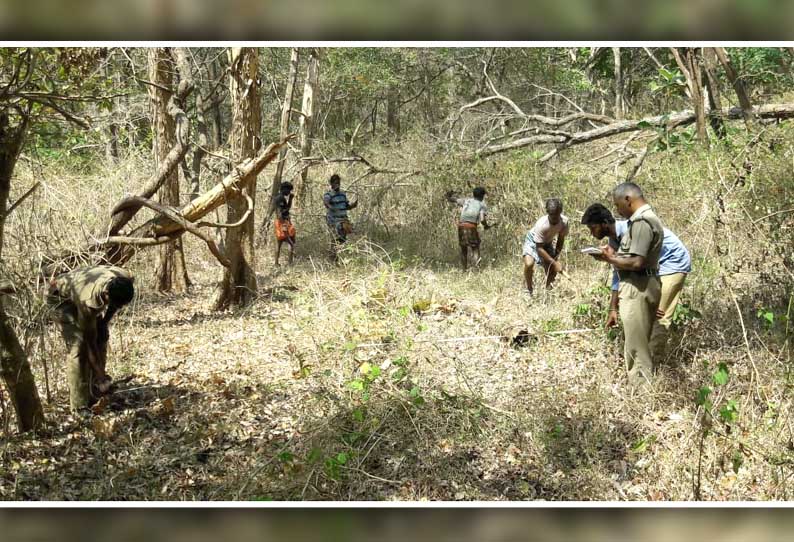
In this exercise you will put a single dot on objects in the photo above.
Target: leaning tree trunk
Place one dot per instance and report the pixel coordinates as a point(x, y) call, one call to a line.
point(713, 88)
point(238, 285)
point(171, 274)
point(286, 108)
point(14, 363)
point(690, 67)
point(738, 87)
point(310, 97)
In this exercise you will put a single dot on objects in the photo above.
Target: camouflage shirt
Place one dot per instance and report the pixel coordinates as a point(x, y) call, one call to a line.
point(84, 288)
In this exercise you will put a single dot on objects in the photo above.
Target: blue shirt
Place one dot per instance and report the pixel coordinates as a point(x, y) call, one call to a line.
point(674, 257)
point(337, 207)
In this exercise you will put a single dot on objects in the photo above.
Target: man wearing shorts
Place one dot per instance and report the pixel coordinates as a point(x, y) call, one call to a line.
point(539, 247)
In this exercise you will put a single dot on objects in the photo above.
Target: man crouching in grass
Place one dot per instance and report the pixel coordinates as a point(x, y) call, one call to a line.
point(539, 248)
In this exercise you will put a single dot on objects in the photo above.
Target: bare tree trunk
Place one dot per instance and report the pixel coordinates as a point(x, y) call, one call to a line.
point(392, 111)
point(14, 363)
point(286, 108)
point(192, 171)
point(238, 285)
point(619, 108)
point(738, 87)
point(374, 119)
point(697, 93)
point(427, 103)
point(712, 86)
point(112, 144)
point(690, 67)
point(171, 274)
point(216, 119)
point(310, 97)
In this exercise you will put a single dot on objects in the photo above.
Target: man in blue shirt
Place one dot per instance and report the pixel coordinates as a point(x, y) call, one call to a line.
point(674, 265)
point(337, 205)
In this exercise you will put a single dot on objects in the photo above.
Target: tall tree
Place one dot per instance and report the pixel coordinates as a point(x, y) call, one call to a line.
point(310, 97)
point(14, 363)
point(690, 68)
point(738, 87)
point(619, 105)
point(238, 285)
point(713, 91)
point(193, 170)
point(286, 109)
point(191, 167)
point(171, 274)
point(215, 71)
point(111, 72)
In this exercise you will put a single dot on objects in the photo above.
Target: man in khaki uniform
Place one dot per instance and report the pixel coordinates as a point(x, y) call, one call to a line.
point(637, 263)
point(674, 266)
point(85, 300)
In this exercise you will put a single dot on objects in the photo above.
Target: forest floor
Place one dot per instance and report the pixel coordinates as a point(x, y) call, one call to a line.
point(361, 382)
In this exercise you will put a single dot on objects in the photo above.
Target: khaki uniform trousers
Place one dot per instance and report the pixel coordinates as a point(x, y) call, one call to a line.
point(639, 298)
point(671, 293)
point(79, 372)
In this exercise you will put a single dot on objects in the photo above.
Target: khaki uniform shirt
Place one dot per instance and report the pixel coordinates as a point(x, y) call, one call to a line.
point(643, 238)
point(84, 288)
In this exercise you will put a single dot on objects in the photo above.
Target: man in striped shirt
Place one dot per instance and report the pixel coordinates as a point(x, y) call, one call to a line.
point(337, 206)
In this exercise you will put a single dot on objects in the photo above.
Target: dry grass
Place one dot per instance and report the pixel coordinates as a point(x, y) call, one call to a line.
point(280, 400)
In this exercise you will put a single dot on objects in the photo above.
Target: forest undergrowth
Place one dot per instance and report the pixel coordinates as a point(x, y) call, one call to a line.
point(395, 375)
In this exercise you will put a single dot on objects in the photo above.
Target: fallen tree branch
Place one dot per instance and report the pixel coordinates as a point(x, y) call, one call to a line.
point(784, 211)
point(505, 99)
point(170, 224)
point(668, 122)
point(640, 160)
point(655, 60)
point(175, 216)
point(71, 117)
point(231, 225)
point(22, 198)
point(137, 241)
point(573, 103)
point(166, 225)
point(542, 119)
point(371, 168)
